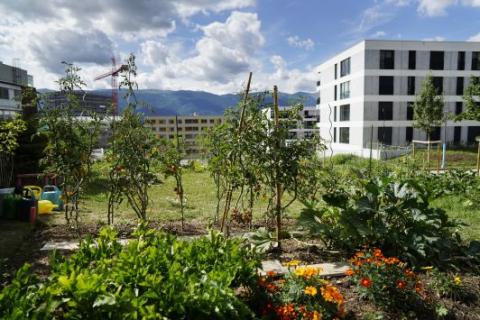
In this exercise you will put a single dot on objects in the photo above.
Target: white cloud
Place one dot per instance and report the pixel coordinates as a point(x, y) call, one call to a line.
point(436, 38)
point(434, 7)
point(474, 37)
point(306, 44)
point(379, 34)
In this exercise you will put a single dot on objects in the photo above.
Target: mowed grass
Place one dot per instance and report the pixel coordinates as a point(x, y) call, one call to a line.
point(200, 192)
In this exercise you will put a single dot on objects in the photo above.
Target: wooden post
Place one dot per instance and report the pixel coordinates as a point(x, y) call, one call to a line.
point(438, 158)
point(371, 153)
point(278, 204)
point(478, 157)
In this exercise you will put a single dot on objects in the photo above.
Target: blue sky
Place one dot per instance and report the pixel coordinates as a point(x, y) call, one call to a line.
point(211, 45)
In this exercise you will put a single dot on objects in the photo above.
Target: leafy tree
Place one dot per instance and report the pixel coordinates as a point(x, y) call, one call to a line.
point(70, 141)
point(134, 153)
point(10, 130)
point(472, 101)
point(172, 152)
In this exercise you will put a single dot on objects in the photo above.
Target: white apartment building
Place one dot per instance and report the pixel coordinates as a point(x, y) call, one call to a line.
point(373, 84)
point(12, 79)
point(306, 125)
point(189, 128)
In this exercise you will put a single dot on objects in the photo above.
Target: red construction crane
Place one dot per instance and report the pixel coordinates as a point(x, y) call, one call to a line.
point(114, 74)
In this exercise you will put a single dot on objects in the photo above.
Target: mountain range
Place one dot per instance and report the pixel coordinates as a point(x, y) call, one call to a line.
point(186, 102)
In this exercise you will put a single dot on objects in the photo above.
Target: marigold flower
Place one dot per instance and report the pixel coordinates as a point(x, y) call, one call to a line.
point(378, 253)
point(349, 272)
point(307, 272)
point(331, 294)
point(365, 282)
point(401, 284)
point(457, 280)
point(293, 263)
point(409, 273)
point(316, 315)
point(418, 287)
point(311, 291)
point(271, 274)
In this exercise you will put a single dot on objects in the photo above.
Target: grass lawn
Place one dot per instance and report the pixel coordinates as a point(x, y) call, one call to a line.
point(460, 158)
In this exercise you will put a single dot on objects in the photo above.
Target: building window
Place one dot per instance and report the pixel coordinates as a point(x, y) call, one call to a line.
point(335, 135)
point(318, 83)
point(409, 110)
point(436, 60)
point(457, 134)
point(473, 132)
point(344, 135)
point(191, 121)
point(412, 60)
point(385, 86)
point(171, 121)
point(345, 112)
point(438, 84)
point(408, 134)
point(345, 90)
point(476, 60)
point(335, 92)
point(335, 71)
point(345, 67)
point(387, 59)
point(318, 100)
point(435, 135)
point(212, 121)
point(4, 93)
point(458, 108)
point(385, 110)
point(461, 60)
point(204, 120)
point(459, 86)
point(385, 135)
point(411, 86)
point(335, 113)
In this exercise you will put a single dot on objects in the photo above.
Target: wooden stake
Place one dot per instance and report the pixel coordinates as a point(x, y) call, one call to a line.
point(478, 158)
point(438, 158)
point(278, 205)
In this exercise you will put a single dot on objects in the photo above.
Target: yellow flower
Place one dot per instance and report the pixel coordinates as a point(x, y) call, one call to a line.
point(316, 315)
point(293, 263)
point(311, 291)
point(457, 280)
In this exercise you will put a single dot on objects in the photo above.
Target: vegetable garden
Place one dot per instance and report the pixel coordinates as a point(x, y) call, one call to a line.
point(259, 197)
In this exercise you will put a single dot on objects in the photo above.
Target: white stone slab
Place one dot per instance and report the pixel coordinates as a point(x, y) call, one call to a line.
point(336, 269)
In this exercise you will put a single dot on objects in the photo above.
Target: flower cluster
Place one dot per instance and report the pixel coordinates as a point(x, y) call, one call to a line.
point(385, 280)
point(301, 294)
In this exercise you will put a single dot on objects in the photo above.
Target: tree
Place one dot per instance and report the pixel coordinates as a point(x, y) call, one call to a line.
point(70, 141)
point(428, 109)
point(10, 130)
point(134, 153)
point(472, 101)
point(171, 154)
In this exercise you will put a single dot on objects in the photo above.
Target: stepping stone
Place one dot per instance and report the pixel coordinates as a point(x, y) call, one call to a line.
point(60, 245)
point(336, 269)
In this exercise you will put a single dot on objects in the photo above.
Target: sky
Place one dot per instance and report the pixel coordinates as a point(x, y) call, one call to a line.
point(211, 45)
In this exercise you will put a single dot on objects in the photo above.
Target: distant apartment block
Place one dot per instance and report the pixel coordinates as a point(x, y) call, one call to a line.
point(305, 127)
point(189, 128)
point(369, 89)
point(12, 80)
point(88, 102)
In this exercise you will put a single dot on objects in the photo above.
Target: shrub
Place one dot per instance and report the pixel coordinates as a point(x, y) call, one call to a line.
point(385, 281)
point(154, 276)
point(301, 294)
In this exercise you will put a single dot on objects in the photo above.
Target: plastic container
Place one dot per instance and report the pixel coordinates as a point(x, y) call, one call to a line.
point(46, 207)
point(25, 204)
point(53, 194)
point(37, 191)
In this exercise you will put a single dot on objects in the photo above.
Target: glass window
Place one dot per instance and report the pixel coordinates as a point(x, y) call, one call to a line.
point(335, 92)
point(334, 134)
point(458, 108)
point(335, 71)
point(408, 134)
point(473, 132)
point(345, 90)
point(411, 86)
point(409, 110)
point(204, 120)
point(436, 134)
point(387, 59)
point(436, 60)
point(4, 93)
point(385, 110)
point(461, 60)
point(335, 113)
point(344, 135)
point(459, 86)
point(345, 67)
point(412, 60)
point(385, 135)
point(385, 85)
point(318, 100)
point(476, 60)
point(345, 112)
point(318, 83)
point(457, 134)
point(438, 84)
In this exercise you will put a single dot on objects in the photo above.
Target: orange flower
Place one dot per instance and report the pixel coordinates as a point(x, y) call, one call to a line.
point(271, 288)
point(401, 284)
point(307, 272)
point(392, 260)
point(419, 287)
point(409, 273)
point(365, 282)
point(332, 294)
point(378, 253)
point(311, 291)
point(271, 274)
point(349, 272)
point(316, 315)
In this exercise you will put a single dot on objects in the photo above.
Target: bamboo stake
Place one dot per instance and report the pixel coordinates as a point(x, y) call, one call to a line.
point(438, 158)
point(278, 205)
point(228, 198)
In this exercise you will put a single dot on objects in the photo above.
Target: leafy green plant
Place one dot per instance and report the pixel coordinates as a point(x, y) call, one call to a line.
point(154, 276)
point(445, 284)
point(10, 130)
point(300, 294)
point(385, 281)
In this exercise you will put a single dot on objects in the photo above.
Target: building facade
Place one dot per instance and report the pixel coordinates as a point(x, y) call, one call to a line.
point(306, 125)
point(366, 93)
point(189, 128)
point(89, 102)
point(12, 80)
